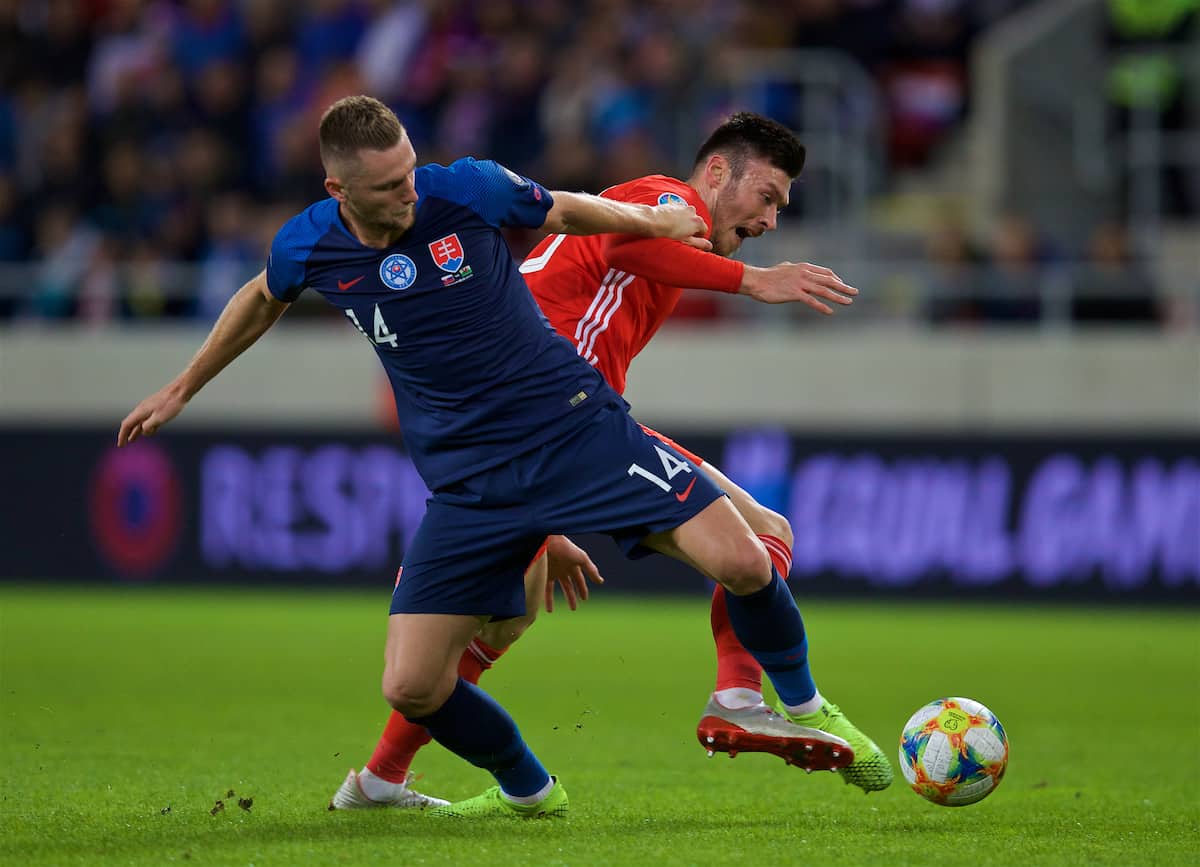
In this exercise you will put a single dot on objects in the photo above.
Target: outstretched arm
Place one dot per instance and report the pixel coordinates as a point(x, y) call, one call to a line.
point(677, 265)
point(247, 316)
point(584, 214)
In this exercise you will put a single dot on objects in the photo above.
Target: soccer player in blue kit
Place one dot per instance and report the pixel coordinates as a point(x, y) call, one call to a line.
point(517, 437)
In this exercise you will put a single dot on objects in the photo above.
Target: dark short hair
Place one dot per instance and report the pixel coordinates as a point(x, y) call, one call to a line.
point(748, 135)
point(355, 123)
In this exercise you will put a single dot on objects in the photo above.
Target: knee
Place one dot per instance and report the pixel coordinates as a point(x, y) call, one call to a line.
point(746, 567)
point(413, 696)
point(770, 523)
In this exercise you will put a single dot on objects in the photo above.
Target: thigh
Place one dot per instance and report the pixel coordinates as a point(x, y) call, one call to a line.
point(710, 542)
point(535, 582)
point(759, 517)
point(417, 642)
point(467, 559)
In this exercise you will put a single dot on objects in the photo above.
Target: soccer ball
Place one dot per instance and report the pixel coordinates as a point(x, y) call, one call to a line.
point(953, 752)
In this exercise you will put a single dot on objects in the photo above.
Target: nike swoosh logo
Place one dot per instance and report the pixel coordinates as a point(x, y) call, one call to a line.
point(344, 286)
point(687, 492)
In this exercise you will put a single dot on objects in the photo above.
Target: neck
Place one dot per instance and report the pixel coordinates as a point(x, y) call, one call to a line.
point(378, 237)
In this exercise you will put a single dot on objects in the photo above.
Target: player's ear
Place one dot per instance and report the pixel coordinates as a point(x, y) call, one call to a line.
point(335, 189)
point(717, 171)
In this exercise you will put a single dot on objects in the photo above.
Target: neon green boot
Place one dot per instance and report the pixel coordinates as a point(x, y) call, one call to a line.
point(491, 804)
point(870, 771)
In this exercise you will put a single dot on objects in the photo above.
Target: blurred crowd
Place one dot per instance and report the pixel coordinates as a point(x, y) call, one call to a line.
point(1025, 278)
point(147, 133)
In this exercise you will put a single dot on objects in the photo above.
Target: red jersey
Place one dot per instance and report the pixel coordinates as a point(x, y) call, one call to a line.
point(609, 294)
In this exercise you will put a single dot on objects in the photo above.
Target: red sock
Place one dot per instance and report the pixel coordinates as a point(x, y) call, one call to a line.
point(401, 739)
point(735, 666)
point(476, 659)
point(779, 552)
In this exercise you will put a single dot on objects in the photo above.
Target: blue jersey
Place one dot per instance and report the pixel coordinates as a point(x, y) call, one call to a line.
point(478, 374)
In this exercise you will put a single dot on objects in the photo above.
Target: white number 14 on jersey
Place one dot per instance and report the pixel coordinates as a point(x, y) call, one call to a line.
point(672, 466)
point(383, 334)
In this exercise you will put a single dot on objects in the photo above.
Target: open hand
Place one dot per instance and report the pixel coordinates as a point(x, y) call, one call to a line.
point(151, 414)
point(569, 565)
point(804, 282)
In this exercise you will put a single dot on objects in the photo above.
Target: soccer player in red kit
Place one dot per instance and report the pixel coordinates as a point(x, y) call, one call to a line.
point(608, 295)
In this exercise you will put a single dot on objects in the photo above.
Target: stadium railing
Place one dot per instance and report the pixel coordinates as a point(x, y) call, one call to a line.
point(1055, 297)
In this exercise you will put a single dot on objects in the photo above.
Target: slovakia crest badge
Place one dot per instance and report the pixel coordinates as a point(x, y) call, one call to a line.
point(447, 253)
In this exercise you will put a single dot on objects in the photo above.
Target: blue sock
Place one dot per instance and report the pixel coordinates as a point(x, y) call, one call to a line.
point(768, 624)
point(474, 727)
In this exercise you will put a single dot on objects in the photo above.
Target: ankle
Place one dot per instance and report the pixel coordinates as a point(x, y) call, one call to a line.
point(806, 707)
point(736, 698)
point(376, 787)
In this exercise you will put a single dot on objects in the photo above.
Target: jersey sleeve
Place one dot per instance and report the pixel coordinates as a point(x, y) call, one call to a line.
point(674, 263)
point(501, 197)
point(286, 264)
point(665, 261)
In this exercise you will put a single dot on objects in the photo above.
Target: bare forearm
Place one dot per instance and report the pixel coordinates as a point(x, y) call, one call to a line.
point(583, 214)
point(249, 313)
point(247, 316)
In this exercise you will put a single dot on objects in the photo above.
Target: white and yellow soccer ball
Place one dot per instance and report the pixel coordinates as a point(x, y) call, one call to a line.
point(953, 752)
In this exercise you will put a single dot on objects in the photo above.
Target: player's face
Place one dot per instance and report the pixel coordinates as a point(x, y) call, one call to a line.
point(748, 205)
point(380, 192)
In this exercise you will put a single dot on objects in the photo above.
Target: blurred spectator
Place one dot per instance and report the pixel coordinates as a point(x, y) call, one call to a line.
point(1010, 288)
point(222, 109)
point(329, 34)
point(632, 155)
point(280, 101)
point(954, 265)
point(1113, 287)
point(517, 80)
point(388, 44)
point(124, 213)
point(231, 258)
point(57, 45)
point(925, 82)
point(14, 241)
point(466, 115)
point(268, 24)
point(130, 48)
point(65, 247)
point(205, 33)
point(145, 284)
point(10, 43)
point(8, 131)
point(97, 302)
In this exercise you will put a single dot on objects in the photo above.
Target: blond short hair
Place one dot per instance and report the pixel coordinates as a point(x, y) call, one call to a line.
point(356, 123)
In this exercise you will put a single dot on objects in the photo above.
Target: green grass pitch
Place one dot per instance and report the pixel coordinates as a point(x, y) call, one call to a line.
point(125, 715)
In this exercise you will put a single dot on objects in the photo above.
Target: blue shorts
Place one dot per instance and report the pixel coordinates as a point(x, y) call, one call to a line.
point(478, 536)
